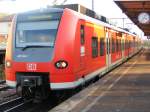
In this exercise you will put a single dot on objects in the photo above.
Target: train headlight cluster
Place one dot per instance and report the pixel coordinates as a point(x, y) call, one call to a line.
point(61, 64)
point(8, 64)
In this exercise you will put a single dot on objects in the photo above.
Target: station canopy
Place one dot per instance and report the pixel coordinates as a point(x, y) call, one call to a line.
point(136, 10)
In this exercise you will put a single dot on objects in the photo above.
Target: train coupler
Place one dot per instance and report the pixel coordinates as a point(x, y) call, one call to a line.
point(31, 81)
point(33, 87)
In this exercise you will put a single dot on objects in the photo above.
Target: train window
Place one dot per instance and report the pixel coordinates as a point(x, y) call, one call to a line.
point(119, 34)
point(113, 45)
point(31, 34)
point(126, 44)
point(129, 44)
point(82, 34)
point(94, 47)
point(117, 45)
point(122, 45)
point(102, 48)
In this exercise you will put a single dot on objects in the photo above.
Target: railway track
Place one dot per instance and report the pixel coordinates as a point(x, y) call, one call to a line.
point(14, 105)
point(3, 87)
point(9, 104)
point(2, 81)
point(6, 93)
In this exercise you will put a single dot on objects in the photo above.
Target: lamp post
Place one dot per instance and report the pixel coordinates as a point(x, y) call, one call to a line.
point(123, 20)
point(93, 5)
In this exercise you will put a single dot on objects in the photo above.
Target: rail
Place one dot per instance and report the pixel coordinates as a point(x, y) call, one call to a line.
point(4, 107)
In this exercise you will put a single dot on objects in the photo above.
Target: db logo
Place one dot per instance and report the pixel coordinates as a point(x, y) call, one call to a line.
point(31, 66)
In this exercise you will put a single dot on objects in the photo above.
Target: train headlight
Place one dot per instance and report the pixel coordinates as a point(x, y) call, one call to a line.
point(8, 64)
point(61, 64)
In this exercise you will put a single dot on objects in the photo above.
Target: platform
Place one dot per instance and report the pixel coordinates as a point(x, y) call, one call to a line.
point(125, 89)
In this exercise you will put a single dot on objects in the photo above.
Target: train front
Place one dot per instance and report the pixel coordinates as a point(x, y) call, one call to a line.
point(30, 49)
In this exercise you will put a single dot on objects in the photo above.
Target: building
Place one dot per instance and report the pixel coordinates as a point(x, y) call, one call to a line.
point(5, 23)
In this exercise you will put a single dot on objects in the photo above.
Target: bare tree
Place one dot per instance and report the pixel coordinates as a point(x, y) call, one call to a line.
point(64, 2)
point(54, 2)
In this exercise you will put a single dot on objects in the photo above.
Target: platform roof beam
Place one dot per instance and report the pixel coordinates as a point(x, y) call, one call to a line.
point(132, 8)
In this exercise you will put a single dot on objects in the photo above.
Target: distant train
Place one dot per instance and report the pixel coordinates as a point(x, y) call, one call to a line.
point(59, 49)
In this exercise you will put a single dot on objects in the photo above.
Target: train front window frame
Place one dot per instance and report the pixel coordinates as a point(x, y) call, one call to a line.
point(46, 29)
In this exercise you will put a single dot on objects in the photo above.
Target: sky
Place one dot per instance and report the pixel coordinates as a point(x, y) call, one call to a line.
point(100, 6)
point(104, 7)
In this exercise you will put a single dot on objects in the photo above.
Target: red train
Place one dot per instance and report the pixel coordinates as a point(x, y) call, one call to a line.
point(58, 49)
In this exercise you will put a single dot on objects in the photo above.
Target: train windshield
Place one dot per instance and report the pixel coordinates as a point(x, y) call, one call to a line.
point(36, 30)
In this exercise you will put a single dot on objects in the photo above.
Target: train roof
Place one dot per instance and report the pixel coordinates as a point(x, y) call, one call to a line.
point(83, 10)
point(90, 19)
point(91, 15)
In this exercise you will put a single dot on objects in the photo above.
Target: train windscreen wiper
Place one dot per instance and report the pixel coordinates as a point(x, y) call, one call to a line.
point(34, 46)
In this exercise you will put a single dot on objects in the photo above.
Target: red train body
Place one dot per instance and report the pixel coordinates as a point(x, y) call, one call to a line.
point(78, 48)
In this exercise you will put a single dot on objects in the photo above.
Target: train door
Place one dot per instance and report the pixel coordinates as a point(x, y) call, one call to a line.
point(128, 48)
point(82, 45)
point(123, 45)
point(108, 55)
